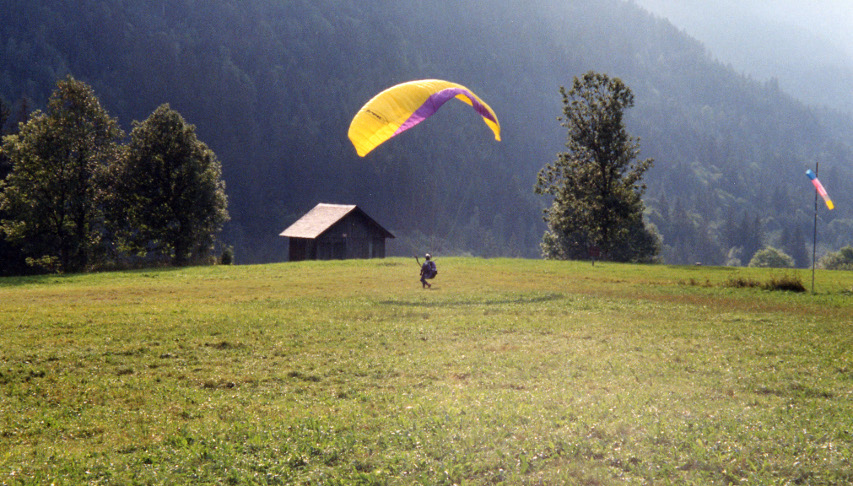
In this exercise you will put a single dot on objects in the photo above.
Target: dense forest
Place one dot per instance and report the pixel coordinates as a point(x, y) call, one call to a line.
point(271, 86)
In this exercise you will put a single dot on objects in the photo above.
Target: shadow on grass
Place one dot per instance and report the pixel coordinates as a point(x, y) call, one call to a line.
point(475, 302)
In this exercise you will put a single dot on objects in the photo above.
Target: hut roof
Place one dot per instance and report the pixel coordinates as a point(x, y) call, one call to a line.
point(315, 222)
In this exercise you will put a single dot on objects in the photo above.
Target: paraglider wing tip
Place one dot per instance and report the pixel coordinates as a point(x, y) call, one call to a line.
point(359, 147)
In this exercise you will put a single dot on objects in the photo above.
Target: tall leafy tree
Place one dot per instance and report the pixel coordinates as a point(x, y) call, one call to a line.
point(170, 196)
point(53, 197)
point(11, 258)
point(596, 183)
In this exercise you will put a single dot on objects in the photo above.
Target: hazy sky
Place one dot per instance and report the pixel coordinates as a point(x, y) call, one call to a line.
point(761, 24)
point(806, 45)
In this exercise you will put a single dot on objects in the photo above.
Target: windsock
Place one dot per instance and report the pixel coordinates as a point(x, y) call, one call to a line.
point(820, 190)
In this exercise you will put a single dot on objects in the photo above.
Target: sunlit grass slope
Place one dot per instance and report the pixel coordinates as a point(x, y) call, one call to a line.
point(506, 372)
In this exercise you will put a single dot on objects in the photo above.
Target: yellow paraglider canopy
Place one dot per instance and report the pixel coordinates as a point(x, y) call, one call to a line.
point(403, 106)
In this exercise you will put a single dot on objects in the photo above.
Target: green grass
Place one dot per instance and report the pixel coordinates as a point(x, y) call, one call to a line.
point(506, 372)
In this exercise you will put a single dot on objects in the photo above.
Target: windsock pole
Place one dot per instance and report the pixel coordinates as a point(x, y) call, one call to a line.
point(814, 234)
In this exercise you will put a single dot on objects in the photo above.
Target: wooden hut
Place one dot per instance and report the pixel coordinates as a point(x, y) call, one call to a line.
point(336, 232)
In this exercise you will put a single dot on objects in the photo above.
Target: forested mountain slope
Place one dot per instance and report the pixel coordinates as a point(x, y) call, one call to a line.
point(271, 86)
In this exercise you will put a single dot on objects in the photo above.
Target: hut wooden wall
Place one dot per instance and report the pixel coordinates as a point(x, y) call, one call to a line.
point(352, 237)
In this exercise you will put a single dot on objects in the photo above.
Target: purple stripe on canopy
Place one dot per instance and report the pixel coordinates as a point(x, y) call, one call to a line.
point(434, 102)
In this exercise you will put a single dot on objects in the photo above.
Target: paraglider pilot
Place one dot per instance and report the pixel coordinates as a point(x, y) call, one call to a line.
point(428, 271)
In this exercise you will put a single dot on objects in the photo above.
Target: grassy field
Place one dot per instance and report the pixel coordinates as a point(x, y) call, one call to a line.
point(506, 372)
